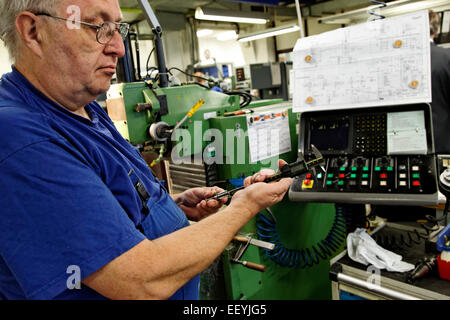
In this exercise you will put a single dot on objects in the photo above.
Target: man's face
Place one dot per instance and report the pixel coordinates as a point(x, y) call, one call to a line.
point(75, 59)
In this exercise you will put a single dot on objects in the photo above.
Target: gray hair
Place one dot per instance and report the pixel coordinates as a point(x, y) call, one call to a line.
point(9, 10)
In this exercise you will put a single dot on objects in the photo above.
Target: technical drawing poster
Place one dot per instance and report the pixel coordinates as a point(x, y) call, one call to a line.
point(381, 62)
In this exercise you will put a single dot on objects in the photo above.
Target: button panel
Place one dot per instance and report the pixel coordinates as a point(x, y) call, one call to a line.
point(397, 174)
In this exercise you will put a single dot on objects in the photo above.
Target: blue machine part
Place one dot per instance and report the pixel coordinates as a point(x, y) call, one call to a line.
point(237, 182)
point(441, 240)
point(344, 295)
point(213, 72)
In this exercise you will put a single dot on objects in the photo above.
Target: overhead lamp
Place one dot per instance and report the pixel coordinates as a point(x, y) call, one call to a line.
point(392, 8)
point(213, 14)
point(269, 33)
point(227, 35)
point(204, 33)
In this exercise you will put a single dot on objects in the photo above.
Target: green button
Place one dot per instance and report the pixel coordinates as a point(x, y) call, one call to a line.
point(342, 169)
point(377, 168)
point(354, 168)
point(353, 176)
point(416, 176)
point(366, 169)
point(319, 176)
point(365, 176)
point(330, 175)
point(390, 168)
point(329, 183)
point(341, 183)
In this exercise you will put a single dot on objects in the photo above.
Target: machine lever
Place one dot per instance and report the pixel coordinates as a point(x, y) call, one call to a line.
point(246, 241)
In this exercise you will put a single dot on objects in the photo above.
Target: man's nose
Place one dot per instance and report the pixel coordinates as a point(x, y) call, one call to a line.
point(115, 46)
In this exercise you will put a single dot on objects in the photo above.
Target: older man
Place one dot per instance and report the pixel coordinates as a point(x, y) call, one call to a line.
point(68, 195)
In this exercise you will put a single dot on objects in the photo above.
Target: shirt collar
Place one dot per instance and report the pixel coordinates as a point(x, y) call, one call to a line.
point(16, 76)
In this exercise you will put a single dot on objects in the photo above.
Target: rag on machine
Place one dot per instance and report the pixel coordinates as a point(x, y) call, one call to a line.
point(363, 249)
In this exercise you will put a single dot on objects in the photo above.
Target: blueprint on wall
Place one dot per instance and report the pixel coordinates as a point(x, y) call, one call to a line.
point(381, 62)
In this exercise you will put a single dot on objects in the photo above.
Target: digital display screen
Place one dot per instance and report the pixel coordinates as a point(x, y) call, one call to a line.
point(330, 135)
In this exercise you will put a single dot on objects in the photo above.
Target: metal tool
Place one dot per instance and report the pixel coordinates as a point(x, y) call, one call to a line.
point(245, 242)
point(190, 113)
point(423, 267)
point(290, 170)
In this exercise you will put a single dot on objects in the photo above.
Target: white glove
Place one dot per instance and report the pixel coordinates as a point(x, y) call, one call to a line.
point(363, 249)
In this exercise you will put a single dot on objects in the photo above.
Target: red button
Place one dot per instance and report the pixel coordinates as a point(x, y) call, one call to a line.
point(308, 176)
point(342, 175)
point(416, 183)
point(307, 182)
point(383, 176)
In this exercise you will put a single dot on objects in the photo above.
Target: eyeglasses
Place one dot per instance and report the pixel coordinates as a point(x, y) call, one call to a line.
point(105, 30)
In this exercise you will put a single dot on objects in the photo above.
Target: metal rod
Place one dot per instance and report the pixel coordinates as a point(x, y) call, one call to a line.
point(159, 48)
point(374, 288)
point(300, 20)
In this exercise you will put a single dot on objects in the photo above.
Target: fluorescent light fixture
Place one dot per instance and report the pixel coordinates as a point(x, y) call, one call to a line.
point(212, 14)
point(269, 33)
point(204, 32)
point(392, 8)
point(227, 35)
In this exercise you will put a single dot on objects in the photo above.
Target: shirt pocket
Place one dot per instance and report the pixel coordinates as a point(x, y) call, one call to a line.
point(164, 217)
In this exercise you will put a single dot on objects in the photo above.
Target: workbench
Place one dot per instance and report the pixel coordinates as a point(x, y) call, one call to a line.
point(354, 281)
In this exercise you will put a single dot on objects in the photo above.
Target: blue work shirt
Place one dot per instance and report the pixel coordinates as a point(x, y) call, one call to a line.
point(67, 196)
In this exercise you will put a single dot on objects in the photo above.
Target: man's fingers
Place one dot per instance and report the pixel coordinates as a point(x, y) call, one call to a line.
point(281, 163)
point(258, 177)
point(210, 192)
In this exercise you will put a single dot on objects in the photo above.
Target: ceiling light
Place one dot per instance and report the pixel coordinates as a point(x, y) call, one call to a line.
point(227, 36)
point(229, 16)
point(204, 33)
point(392, 8)
point(268, 33)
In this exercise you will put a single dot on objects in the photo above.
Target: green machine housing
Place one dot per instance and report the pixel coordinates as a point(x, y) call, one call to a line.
point(299, 226)
point(134, 107)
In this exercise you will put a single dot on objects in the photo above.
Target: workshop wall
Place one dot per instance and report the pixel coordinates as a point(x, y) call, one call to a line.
point(5, 63)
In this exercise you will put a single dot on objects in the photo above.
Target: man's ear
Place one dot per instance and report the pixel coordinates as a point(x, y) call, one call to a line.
point(27, 27)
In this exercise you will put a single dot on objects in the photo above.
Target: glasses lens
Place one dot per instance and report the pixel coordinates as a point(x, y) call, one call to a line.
point(123, 29)
point(107, 30)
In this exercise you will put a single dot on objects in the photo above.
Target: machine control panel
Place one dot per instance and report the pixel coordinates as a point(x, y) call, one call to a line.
point(367, 161)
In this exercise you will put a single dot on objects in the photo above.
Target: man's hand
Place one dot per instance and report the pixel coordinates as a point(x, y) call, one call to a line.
point(259, 195)
point(194, 205)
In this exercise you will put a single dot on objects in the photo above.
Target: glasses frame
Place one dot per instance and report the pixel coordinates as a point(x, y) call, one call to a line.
point(122, 27)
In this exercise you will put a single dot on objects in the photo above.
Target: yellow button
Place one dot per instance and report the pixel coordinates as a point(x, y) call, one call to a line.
point(308, 185)
point(309, 100)
point(308, 58)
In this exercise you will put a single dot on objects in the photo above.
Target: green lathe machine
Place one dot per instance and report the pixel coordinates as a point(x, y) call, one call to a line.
point(202, 138)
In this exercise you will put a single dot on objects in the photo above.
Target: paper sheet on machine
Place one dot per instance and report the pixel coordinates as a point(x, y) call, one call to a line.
point(382, 62)
point(406, 133)
point(268, 134)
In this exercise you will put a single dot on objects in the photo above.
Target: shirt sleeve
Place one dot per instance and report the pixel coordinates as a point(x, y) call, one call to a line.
point(56, 214)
